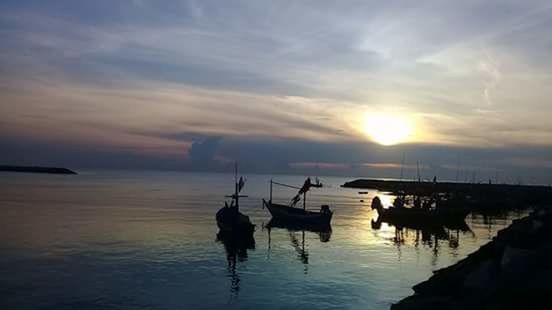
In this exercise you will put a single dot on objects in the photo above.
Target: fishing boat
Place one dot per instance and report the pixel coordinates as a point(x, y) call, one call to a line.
point(291, 214)
point(230, 220)
point(399, 213)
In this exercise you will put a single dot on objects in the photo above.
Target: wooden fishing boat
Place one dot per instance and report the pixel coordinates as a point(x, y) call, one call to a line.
point(291, 214)
point(229, 218)
point(285, 213)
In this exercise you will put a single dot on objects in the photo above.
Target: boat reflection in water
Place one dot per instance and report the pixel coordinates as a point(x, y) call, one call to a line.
point(323, 231)
point(236, 251)
point(431, 236)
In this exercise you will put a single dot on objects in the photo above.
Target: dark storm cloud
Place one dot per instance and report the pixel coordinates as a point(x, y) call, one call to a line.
point(527, 164)
point(202, 153)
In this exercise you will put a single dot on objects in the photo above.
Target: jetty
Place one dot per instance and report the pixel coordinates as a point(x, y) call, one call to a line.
point(36, 169)
point(513, 271)
point(482, 196)
point(417, 187)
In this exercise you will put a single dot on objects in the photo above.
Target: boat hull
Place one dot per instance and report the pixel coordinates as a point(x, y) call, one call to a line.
point(286, 214)
point(231, 221)
point(420, 216)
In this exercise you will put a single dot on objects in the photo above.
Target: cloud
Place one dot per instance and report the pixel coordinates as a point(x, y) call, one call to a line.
point(318, 165)
point(490, 68)
point(269, 156)
point(150, 77)
point(202, 153)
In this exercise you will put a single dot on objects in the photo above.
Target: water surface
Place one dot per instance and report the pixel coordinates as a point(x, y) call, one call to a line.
point(134, 240)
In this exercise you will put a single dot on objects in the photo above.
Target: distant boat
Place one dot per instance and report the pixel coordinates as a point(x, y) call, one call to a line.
point(230, 220)
point(291, 214)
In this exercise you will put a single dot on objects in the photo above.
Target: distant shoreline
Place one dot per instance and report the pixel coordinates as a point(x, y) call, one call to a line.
point(36, 169)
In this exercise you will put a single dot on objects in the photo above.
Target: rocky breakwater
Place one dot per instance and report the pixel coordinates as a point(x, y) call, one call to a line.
point(512, 271)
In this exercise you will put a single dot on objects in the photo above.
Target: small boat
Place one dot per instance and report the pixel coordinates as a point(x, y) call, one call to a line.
point(230, 220)
point(291, 214)
point(401, 214)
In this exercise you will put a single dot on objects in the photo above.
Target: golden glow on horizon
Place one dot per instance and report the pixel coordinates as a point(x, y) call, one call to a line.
point(387, 129)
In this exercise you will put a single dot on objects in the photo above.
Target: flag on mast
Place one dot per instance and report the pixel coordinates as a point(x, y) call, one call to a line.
point(241, 183)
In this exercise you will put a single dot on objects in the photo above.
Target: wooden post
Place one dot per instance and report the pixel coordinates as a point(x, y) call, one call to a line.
point(270, 191)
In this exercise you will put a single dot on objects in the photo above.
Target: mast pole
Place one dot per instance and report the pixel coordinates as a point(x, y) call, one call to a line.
point(402, 164)
point(236, 194)
point(305, 201)
point(418, 170)
point(270, 190)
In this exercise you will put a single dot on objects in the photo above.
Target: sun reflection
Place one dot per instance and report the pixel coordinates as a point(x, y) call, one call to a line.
point(386, 199)
point(387, 129)
point(385, 232)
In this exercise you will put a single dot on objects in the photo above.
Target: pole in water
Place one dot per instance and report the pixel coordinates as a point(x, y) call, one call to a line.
point(270, 190)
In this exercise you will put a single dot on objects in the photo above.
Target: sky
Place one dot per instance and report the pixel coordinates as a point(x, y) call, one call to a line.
point(457, 89)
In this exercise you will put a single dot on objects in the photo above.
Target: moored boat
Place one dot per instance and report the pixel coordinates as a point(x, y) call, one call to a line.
point(285, 213)
point(229, 218)
point(291, 214)
point(419, 215)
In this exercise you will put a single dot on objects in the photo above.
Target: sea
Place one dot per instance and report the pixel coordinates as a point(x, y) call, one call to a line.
point(148, 240)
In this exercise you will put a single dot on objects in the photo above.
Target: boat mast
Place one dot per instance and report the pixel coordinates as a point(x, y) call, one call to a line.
point(402, 164)
point(236, 196)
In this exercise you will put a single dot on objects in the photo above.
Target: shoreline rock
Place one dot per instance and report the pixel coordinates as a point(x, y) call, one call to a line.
point(513, 270)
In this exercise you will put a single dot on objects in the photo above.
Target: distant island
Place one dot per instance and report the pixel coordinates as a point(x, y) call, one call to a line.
point(33, 169)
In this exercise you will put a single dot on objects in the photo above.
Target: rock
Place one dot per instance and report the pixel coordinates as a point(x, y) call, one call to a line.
point(481, 277)
point(513, 271)
point(423, 303)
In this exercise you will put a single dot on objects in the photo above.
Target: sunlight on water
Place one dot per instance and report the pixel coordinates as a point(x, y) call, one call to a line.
point(149, 240)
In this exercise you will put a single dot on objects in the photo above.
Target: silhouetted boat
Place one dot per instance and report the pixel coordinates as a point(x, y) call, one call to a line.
point(229, 218)
point(291, 214)
point(402, 215)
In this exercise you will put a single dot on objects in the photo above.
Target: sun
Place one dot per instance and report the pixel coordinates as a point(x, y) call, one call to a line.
point(387, 129)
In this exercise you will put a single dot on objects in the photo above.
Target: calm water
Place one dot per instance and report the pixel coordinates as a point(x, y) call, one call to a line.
point(148, 240)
